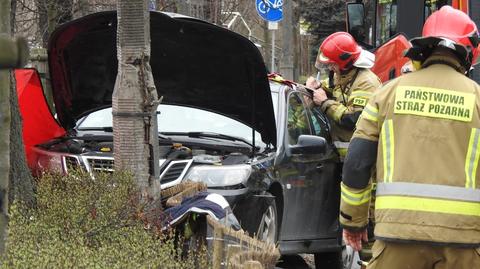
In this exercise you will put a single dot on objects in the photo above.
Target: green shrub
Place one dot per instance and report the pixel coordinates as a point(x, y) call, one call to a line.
point(80, 222)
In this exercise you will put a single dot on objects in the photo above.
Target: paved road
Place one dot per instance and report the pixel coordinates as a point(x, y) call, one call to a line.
point(296, 262)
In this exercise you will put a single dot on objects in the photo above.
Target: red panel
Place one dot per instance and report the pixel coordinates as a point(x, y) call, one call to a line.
point(390, 57)
point(39, 125)
point(461, 4)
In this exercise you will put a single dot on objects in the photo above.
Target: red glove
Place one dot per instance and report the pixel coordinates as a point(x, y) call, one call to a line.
point(319, 96)
point(312, 83)
point(354, 239)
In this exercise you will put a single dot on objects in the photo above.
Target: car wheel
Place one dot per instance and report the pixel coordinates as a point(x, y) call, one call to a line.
point(268, 228)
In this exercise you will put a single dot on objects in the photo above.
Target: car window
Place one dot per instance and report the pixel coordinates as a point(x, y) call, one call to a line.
point(320, 125)
point(297, 119)
point(386, 20)
point(172, 118)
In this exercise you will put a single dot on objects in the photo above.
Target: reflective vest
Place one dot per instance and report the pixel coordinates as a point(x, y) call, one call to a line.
point(427, 125)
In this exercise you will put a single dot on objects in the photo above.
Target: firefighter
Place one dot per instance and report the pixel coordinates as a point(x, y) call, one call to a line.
point(353, 84)
point(425, 129)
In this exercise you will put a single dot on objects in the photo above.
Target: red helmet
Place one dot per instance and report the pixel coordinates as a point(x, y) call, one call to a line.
point(342, 49)
point(451, 28)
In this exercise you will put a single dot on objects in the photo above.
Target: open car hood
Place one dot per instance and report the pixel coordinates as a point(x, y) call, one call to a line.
point(194, 63)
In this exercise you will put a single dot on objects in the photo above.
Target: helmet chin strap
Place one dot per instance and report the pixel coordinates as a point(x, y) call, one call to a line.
point(331, 75)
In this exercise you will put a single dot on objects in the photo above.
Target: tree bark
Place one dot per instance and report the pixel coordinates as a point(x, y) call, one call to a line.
point(4, 132)
point(21, 185)
point(286, 60)
point(83, 9)
point(135, 99)
point(14, 174)
point(51, 13)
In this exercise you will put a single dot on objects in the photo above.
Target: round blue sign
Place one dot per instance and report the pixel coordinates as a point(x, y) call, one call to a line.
point(270, 10)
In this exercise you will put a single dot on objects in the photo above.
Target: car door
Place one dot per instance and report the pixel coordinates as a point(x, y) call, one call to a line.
point(311, 181)
point(310, 196)
point(324, 191)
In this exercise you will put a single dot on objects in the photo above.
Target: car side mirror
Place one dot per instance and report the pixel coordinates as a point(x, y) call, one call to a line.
point(309, 144)
point(356, 20)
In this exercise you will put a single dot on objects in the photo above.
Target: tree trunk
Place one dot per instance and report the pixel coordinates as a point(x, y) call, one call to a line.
point(135, 99)
point(83, 9)
point(52, 13)
point(13, 171)
point(286, 60)
point(20, 179)
point(267, 48)
point(21, 184)
point(182, 7)
point(4, 132)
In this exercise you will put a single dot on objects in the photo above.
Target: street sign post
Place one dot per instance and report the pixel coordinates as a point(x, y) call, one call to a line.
point(273, 26)
point(271, 11)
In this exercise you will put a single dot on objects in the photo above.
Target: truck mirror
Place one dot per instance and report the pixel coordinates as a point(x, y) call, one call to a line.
point(356, 20)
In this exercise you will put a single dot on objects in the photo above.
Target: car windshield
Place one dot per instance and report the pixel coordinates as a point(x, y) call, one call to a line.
point(179, 119)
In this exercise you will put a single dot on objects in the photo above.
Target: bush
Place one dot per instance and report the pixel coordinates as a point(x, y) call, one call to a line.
point(80, 222)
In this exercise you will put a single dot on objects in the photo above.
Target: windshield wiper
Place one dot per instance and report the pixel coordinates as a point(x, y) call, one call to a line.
point(210, 135)
point(109, 129)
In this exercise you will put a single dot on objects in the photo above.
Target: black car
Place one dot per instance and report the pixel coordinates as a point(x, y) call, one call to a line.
point(257, 141)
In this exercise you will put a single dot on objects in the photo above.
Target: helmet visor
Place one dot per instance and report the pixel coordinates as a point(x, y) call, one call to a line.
point(322, 60)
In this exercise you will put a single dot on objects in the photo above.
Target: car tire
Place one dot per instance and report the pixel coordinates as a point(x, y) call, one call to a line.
point(328, 260)
point(268, 227)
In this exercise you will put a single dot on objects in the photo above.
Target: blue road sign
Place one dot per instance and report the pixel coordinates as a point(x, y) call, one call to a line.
point(270, 10)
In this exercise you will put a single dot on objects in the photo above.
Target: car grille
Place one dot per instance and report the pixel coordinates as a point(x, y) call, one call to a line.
point(175, 170)
point(71, 163)
point(100, 164)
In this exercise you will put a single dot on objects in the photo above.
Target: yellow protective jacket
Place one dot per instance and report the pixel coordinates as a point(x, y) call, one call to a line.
point(422, 130)
point(350, 95)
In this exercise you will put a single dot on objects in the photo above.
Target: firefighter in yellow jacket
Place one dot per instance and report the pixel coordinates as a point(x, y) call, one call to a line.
point(353, 84)
point(422, 133)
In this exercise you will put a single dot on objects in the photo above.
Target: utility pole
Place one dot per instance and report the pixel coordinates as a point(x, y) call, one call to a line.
point(288, 44)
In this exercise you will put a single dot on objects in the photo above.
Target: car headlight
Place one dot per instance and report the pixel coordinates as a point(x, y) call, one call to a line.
point(220, 176)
